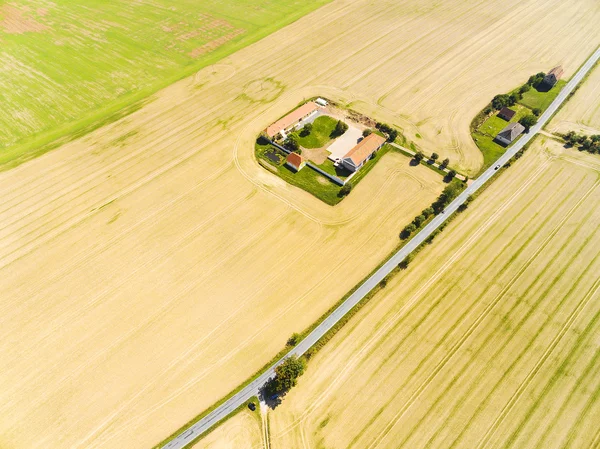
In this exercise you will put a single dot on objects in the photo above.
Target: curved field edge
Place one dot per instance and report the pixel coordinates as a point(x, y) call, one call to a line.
point(37, 144)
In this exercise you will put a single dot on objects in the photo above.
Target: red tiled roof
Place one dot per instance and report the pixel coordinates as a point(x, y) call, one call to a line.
point(292, 118)
point(556, 71)
point(365, 148)
point(294, 159)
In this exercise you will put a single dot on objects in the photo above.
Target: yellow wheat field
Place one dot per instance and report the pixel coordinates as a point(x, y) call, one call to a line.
point(151, 266)
point(490, 340)
point(582, 112)
point(242, 431)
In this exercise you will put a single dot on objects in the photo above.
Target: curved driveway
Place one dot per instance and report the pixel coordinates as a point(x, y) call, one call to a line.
point(225, 409)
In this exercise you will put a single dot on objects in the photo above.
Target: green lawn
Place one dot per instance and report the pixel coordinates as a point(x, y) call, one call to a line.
point(485, 134)
point(320, 135)
point(307, 179)
point(86, 62)
point(311, 181)
point(534, 99)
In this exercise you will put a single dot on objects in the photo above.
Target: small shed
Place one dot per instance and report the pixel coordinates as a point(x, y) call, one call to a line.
point(295, 161)
point(553, 76)
point(506, 114)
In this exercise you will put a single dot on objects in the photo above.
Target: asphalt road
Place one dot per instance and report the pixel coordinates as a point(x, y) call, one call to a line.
point(221, 412)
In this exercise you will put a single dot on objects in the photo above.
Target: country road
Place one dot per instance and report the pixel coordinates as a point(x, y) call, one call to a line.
point(189, 435)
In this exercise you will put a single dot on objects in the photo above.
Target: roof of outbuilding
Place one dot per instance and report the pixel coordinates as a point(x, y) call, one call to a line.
point(294, 159)
point(291, 118)
point(507, 112)
point(557, 71)
point(364, 149)
point(512, 131)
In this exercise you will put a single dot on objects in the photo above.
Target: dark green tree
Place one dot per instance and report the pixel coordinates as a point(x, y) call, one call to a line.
point(286, 375)
point(346, 189)
point(340, 128)
point(435, 157)
point(291, 143)
point(528, 121)
point(367, 132)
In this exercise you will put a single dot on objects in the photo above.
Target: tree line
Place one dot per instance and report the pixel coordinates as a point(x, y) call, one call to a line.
point(591, 144)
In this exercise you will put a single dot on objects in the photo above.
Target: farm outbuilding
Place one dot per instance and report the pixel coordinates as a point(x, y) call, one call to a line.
point(357, 156)
point(506, 114)
point(292, 119)
point(553, 76)
point(295, 161)
point(510, 133)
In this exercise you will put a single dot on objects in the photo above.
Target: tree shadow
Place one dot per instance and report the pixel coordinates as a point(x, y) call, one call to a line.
point(271, 400)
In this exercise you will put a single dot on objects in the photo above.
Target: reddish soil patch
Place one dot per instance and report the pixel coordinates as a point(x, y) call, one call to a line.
point(15, 21)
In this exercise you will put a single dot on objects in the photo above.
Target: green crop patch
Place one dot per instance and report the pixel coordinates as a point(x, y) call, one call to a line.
point(68, 65)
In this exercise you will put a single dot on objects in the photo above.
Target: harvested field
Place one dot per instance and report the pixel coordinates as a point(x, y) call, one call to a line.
point(151, 266)
point(488, 340)
point(243, 431)
point(146, 284)
point(582, 112)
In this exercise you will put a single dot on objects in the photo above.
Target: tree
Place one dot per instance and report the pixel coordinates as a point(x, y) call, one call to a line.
point(291, 143)
point(407, 231)
point(537, 112)
point(451, 174)
point(286, 375)
point(445, 163)
point(427, 212)
point(419, 156)
point(571, 138)
point(294, 339)
point(524, 88)
point(514, 98)
point(307, 129)
point(419, 220)
point(340, 128)
point(536, 80)
point(528, 121)
point(392, 134)
point(435, 157)
point(595, 138)
point(367, 132)
point(346, 189)
point(406, 262)
point(499, 101)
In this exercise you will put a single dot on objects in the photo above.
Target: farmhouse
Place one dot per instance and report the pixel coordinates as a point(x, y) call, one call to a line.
point(295, 161)
point(357, 156)
point(292, 119)
point(506, 114)
point(553, 76)
point(510, 133)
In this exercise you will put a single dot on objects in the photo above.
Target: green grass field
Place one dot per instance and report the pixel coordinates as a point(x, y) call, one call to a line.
point(534, 99)
point(69, 66)
point(320, 135)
